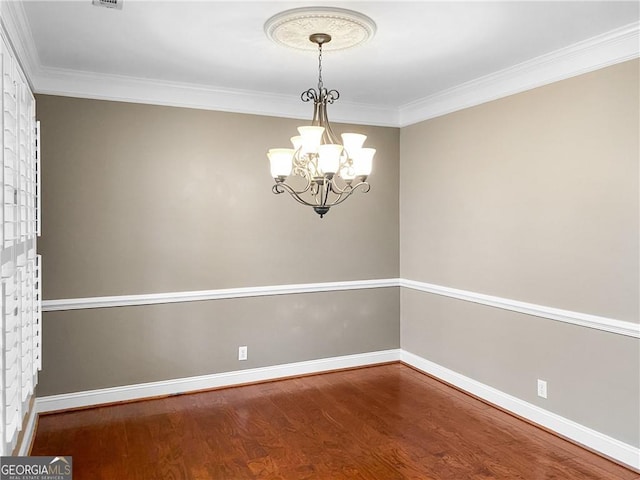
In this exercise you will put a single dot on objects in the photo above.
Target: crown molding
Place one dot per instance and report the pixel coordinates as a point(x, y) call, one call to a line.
point(16, 29)
point(81, 84)
point(604, 50)
point(610, 48)
point(74, 83)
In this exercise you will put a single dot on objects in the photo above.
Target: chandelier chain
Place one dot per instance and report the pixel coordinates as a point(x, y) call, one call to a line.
point(320, 84)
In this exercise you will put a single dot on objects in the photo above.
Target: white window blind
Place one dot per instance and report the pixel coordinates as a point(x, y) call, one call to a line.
point(20, 275)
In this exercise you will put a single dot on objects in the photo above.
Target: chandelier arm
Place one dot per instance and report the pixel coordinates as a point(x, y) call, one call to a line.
point(338, 192)
point(324, 194)
point(365, 187)
point(286, 187)
point(346, 194)
point(336, 189)
point(283, 187)
point(347, 184)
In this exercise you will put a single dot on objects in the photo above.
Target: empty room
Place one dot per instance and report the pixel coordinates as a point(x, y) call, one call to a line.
point(320, 240)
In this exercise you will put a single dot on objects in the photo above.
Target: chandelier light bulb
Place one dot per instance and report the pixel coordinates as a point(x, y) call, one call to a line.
point(281, 160)
point(353, 142)
point(311, 137)
point(329, 158)
point(297, 143)
point(363, 162)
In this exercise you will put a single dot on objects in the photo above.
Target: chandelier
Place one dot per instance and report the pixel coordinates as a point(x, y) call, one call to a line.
point(320, 171)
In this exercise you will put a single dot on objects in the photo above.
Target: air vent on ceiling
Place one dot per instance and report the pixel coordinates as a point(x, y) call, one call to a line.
point(117, 4)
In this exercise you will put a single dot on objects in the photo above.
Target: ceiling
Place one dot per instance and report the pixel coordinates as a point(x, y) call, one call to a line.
point(426, 58)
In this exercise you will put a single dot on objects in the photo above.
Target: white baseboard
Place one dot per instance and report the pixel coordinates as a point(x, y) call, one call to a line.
point(608, 446)
point(190, 384)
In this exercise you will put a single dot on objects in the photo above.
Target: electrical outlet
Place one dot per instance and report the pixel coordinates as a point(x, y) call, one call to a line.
point(542, 388)
point(242, 353)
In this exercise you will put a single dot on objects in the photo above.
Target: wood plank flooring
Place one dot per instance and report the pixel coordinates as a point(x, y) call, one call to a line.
point(382, 422)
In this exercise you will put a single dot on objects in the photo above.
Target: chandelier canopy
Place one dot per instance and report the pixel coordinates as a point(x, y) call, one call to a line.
point(320, 171)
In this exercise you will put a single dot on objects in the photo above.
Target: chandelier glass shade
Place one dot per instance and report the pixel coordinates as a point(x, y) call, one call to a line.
point(318, 170)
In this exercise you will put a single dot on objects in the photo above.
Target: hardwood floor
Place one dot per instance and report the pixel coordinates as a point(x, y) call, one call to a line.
point(382, 422)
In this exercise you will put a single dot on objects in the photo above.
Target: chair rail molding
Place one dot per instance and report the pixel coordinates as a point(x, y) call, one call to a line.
point(218, 294)
point(611, 325)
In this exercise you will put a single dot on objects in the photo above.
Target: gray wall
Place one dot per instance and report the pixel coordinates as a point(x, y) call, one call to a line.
point(150, 199)
point(533, 197)
point(108, 347)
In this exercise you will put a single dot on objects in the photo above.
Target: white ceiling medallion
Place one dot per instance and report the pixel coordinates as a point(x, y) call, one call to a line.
point(346, 27)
